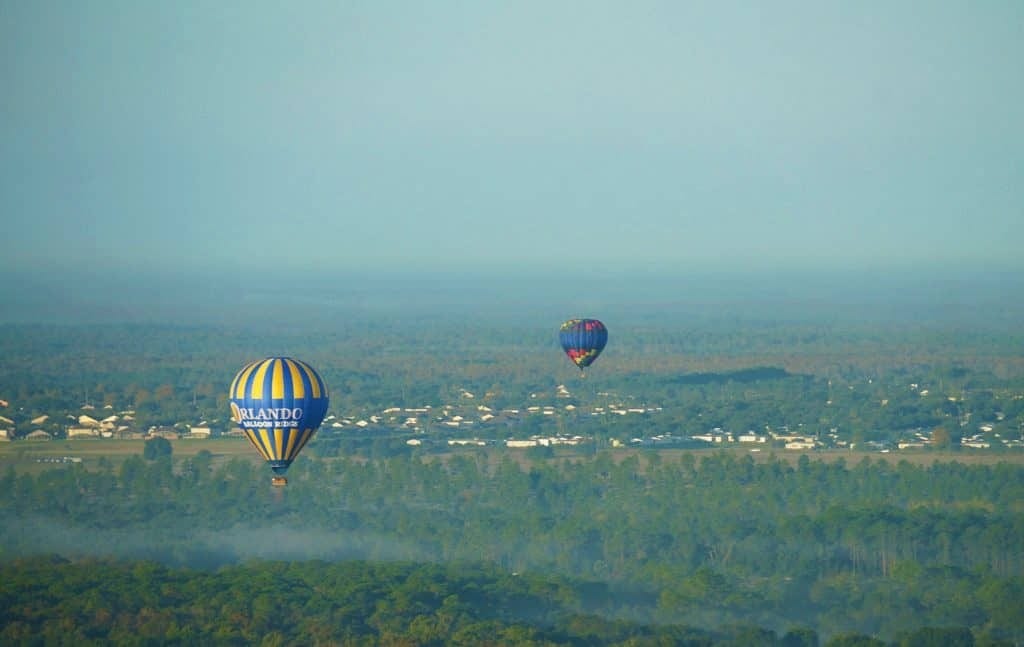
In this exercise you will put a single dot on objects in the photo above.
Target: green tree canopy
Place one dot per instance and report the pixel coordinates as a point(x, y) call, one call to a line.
point(154, 448)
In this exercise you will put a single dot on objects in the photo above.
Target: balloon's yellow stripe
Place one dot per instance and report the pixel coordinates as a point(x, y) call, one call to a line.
point(298, 386)
point(290, 450)
point(238, 388)
point(251, 435)
point(314, 379)
point(277, 380)
point(256, 392)
point(279, 443)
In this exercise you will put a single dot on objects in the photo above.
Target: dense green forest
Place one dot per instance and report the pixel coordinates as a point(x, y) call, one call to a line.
point(378, 542)
point(705, 540)
point(100, 602)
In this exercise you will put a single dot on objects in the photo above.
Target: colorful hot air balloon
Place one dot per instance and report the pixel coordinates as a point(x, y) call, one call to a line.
point(279, 403)
point(583, 340)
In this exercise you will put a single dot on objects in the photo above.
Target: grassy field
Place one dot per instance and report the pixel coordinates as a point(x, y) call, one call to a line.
point(34, 456)
point(852, 458)
point(915, 457)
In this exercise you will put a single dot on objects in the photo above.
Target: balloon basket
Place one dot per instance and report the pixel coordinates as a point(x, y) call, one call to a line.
point(279, 481)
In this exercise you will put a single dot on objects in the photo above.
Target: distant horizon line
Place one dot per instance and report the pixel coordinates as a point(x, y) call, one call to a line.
point(526, 270)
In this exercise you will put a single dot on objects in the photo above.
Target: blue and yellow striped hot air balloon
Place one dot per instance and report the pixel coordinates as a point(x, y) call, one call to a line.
point(279, 403)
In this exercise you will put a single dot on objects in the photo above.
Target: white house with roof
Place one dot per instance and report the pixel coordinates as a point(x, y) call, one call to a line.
point(905, 444)
point(199, 431)
point(803, 443)
point(83, 432)
point(710, 438)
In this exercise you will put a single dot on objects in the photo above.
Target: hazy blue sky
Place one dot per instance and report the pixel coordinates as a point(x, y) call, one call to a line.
point(498, 135)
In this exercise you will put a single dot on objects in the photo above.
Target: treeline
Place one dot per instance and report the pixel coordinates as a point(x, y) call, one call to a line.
point(50, 600)
point(705, 539)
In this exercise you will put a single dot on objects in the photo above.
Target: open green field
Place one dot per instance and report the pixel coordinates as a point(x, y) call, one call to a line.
point(34, 456)
point(852, 458)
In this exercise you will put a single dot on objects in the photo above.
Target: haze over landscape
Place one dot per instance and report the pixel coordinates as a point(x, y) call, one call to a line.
point(229, 144)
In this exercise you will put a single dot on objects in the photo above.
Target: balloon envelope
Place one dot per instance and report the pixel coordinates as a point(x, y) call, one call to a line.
point(279, 403)
point(583, 340)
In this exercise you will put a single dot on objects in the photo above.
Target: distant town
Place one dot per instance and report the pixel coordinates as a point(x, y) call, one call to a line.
point(469, 423)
